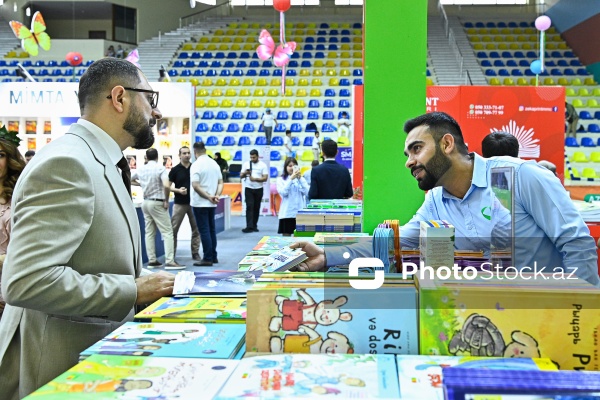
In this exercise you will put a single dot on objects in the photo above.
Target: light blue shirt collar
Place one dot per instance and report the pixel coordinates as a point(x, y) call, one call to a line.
point(479, 178)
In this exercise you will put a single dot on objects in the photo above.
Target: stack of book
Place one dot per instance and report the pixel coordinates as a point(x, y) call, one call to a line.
point(195, 309)
point(214, 284)
point(279, 261)
point(342, 215)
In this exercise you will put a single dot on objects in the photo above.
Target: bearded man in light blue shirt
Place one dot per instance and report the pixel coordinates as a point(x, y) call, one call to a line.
point(549, 232)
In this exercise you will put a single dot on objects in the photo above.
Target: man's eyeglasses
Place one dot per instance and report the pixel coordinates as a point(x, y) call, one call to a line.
point(152, 100)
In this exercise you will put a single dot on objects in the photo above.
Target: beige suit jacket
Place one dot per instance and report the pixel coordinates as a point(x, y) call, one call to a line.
point(75, 251)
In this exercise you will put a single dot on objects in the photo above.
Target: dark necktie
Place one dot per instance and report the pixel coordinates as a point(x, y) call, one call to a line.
point(125, 173)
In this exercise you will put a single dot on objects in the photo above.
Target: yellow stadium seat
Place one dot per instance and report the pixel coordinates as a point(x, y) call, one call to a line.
point(357, 39)
point(261, 82)
point(357, 63)
point(234, 25)
point(596, 92)
point(207, 82)
point(345, 72)
point(194, 82)
point(333, 54)
point(204, 39)
point(334, 82)
point(245, 93)
point(216, 93)
point(273, 93)
point(304, 72)
point(331, 72)
point(495, 81)
point(303, 82)
point(595, 156)
point(577, 103)
point(589, 173)
point(290, 82)
point(495, 31)
point(508, 82)
point(215, 39)
point(251, 39)
point(512, 46)
point(589, 82)
point(187, 46)
point(248, 82)
point(236, 45)
point(505, 31)
point(315, 93)
point(475, 39)
point(583, 92)
point(299, 103)
point(259, 93)
point(357, 32)
point(344, 63)
point(285, 103)
point(429, 81)
point(334, 25)
point(316, 82)
point(248, 46)
point(212, 103)
point(301, 25)
point(211, 47)
point(522, 82)
point(307, 155)
point(241, 103)
point(288, 92)
point(230, 32)
point(223, 47)
point(489, 46)
point(221, 82)
point(529, 31)
point(270, 103)
point(579, 156)
point(527, 46)
point(230, 93)
point(471, 31)
point(234, 82)
point(301, 93)
point(318, 64)
point(551, 46)
point(226, 155)
point(343, 141)
point(592, 103)
point(570, 92)
point(244, 25)
point(576, 82)
point(200, 103)
point(226, 103)
point(255, 104)
point(226, 40)
point(202, 93)
point(478, 46)
point(487, 39)
point(549, 82)
point(346, 47)
point(299, 32)
point(562, 46)
point(311, 32)
point(563, 82)
point(242, 32)
point(200, 46)
point(317, 72)
point(356, 46)
point(255, 25)
point(574, 172)
point(219, 32)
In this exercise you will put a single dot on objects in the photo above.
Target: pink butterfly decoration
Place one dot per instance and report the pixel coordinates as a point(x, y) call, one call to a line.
point(134, 57)
point(281, 55)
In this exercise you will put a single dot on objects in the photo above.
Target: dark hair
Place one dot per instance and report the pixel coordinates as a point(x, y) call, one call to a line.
point(218, 154)
point(438, 124)
point(329, 148)
point(14, 166)
point(287, 162)
point(253, 152)
point(99, 79)
point(500, 144)
point(29, 153)
point(183, 147)
point(152, 154)
point(314, 163)
point(288, 131)
point(199, 146)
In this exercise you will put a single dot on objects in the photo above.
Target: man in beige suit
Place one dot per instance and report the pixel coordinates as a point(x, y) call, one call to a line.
point(72, 271)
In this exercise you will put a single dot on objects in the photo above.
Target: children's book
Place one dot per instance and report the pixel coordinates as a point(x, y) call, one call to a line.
point(420, 377)
point(325, 318)
point(31, 144)
point(172, 340)
point(47, 127)
point(247, 261)
point(340, 376)
point(195, 309)
point(274, 243)
point(224, 283)
point(281, 260)
point(31, 127)
point(121, 377)
point(526, 318)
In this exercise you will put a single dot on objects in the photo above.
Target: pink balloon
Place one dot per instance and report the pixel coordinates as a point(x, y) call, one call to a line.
point(542, 23)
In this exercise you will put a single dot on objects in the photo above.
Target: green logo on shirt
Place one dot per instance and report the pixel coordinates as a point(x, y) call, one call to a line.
point(485, 211)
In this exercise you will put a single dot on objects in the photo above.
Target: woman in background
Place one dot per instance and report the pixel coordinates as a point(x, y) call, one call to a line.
point(292, 188)
point(11, 166)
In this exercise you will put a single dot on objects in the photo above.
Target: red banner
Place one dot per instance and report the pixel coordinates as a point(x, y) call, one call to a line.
point(534, 115)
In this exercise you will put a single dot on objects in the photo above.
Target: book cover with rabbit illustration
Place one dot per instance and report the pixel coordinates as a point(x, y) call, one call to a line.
point(511, 320)
point(316, 318)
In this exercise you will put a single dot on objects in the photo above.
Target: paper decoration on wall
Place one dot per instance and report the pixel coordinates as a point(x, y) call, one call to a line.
point(32, 39)
point(282, 53)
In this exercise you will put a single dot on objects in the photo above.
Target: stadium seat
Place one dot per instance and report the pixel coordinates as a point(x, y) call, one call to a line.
point(296, 128)
point(328, 115)
point(571, 142)
point(277, 141)
point(222, 115)
point(273, 173)
point(237, 115)
point(312, 115)
point(260, 141)
point(587, 142)
point(307, 155)
point(583, 114)
point(593, 128)
point(315, 103)
point(212, 140)
point(208, 115)
point(202, 127)
point(217, 127)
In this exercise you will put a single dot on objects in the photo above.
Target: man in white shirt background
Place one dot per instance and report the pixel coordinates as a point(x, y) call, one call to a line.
point(268, 123)
point(316, 146)
point(344, 125)
point(287, 144)
point(207, 186)
point(254, 174)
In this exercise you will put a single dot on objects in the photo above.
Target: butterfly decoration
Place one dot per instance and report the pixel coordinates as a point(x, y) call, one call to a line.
point(134, 57)
point(32, 39)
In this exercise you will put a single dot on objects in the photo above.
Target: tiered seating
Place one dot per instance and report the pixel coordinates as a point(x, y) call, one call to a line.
point(42, 71)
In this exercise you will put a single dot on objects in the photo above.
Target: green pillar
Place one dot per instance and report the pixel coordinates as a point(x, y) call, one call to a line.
point(395, 51)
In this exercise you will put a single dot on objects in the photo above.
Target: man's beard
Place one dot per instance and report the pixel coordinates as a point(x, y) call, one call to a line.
point(140, 130)
point(434, 169)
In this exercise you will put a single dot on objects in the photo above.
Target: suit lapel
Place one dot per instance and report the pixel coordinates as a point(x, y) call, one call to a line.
point(118, 189)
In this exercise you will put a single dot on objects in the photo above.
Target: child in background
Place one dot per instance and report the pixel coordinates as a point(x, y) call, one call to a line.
point(292, 188)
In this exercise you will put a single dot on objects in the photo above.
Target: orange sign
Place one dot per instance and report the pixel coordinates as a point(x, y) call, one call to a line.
point(234, 190)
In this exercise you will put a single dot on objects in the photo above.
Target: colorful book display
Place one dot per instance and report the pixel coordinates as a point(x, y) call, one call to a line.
point(281, 260)
point(341, 376)
point(296, 317)
point(195, 309)
point(120, 377)
point(172, 340)
point(533, 318)
point(222, 283)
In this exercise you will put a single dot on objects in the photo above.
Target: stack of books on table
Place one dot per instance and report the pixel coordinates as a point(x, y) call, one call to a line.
point(328, 220)
point(195, 309)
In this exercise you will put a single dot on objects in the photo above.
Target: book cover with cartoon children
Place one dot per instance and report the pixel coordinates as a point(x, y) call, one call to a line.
point(120, 377)
point(195, 309)
point(342, 376)
point(421, 377)
point(332, 319)
point(171, 340)
point(510, 320)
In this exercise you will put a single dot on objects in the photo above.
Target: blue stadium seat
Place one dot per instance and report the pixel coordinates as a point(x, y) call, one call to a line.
point(52, 63)
point(345, 39)
point(280, 128)
point(273, 173)
point(328, 115)
point(245, 140)
point(568, 54)
point(482, 54)
point(248, 127)
point(251, 72)
point(207, 55)
point(212, 140)
point(208, 115)
point(295, 140)
point(345, 32)
point(556, 72)
point(593, 128)
point(333, 40)
point(217, 127)
point(252, 115)
point(312, 115)
point(293, 64)
point(282, 115)
point(309, 39)
point(315, 103)
point(197, 139)
point(244, 54)
point(309, 128)
point(321, 39)
point(344, 93)
point(216, 64)
point(190, 64)
point(357, 25)
point(503, 72)
point(320, 47)
point(228, 64)
point(575, 63)
point(490, 72)
point(328, 103)
point(497, 63)
point(571, 142)
point(319, 54)
point(468, 25)
point(297, 115)
point(344, 82)
point(172, 72)
point(296, 128)
point(321, 33)
point(359, 72)
point(267, 64)
point(309, 47)
point(222, 115)
point(328, 128)
point(291, 72)
point(582, 71)
point(295, 56)
point(237, 115)
point(344, 104)
point(306, 54)
point(306, 64)
point(260, 141)
point(183, 55)
point(237, 156)
point(516, 72)
point(238, 72)
point(38, 63)
point(241, 64)
point(202, 127)
point(308, 141)
point(232, 55)
point(230, 140)
point(219, 55)
point(203, 64)
point(585, 115)
point(232, 127)
point(597, 115)
point(195, 55)
point(329, 93)
point(332, 47)
point(277, 72)
point(510, 63)
point(264, 72)
point(587, 142)
point(211, 72)
point(277, 141)
point(178, 64)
